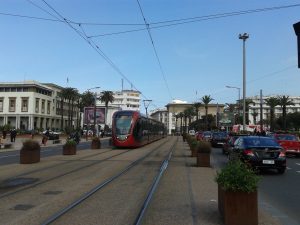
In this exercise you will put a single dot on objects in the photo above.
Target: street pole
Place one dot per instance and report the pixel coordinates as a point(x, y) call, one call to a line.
point(244, 37)
point(146, 105)
point(261, 111)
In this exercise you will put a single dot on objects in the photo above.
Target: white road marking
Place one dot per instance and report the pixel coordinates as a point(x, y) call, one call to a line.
point(298, 171)
point(298, 164)
point(6, 156)
point(288, 168)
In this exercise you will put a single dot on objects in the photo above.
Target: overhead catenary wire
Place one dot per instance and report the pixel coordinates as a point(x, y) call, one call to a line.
point(95, 47)
point(155, 51)
point(177, 22)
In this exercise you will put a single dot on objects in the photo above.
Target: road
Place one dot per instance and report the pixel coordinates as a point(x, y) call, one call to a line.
point(11, 157)
point(278, 193)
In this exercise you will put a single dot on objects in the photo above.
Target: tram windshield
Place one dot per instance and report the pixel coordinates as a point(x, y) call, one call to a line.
point(123, 123)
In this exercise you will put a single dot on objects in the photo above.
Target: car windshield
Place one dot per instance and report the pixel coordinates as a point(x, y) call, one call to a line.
point(123, 123)
point(260, 142)
point(219, 135)
point(286, 138)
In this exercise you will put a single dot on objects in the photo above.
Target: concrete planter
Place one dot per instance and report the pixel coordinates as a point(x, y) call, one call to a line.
point(28, 157)
point(238, 207)
point(96, 144)
point(30, 152)
point(69, 150)
point(203, 159)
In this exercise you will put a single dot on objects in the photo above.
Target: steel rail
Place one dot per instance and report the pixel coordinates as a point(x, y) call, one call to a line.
point(154, 185)
point(59, 176)
point(97, 188)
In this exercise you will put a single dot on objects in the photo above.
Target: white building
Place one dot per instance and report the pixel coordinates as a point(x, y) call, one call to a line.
point(31, 105)
point(123, 100)
point(254, 108)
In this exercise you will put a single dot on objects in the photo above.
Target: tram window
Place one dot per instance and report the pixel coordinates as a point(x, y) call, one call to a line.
point(123, 124)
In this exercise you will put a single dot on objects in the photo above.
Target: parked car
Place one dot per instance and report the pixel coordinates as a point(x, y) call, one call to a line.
point(200, 136)
point(206, 135)
point(289, 142)
point(52, 135)
point(228, 145)
point(192, 132)
point(260, 152)
point(218, 139)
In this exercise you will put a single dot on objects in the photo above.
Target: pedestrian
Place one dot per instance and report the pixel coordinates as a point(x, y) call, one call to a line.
point(102, 133)
point(32, 133)
point(13, 134)
point(4, 134)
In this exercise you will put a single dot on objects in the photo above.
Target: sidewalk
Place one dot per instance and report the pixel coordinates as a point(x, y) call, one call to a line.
point(189, 195)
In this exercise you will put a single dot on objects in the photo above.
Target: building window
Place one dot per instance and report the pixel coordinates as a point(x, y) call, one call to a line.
point(1, 105)
point(12, 105)
point(48, 107)
point(37, 105)
point(43, 106)
point(24, 105)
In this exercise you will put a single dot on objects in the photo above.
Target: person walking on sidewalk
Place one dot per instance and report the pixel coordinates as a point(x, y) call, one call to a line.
point(13, 134)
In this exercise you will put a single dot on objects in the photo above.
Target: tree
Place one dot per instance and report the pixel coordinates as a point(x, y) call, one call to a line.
point(63, 96)
point(272, 102)
point(197, 105)
point(254, 114)
point(206, 99)
point(106, 97)
point(181, 115)
point(189, 113)
point(284, 101)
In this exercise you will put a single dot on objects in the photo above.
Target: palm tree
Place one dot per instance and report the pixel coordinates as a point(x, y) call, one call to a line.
point(254, 114)
point(177, 116)
point(206, 99)
point(63, 96)
point(272, 102)
point(189, 112)
point(181, 115)
point(106, 97)
point(197, 105)
point(284, 101)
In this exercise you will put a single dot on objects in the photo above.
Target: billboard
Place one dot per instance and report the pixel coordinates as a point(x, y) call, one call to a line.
point(89, 115)
point(226, 119)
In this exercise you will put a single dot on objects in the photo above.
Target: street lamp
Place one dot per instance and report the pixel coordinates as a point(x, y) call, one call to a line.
point(95, 100)
point(146, 105)
point(244, 37)
point(239, 97)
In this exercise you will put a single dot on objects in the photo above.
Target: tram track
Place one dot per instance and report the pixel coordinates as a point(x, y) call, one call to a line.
point(140, 213)
point(60, 175)
point(12, 200)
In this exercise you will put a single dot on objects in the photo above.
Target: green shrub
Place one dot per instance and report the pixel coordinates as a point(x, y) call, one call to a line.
point(204, 147)
point(193, 144)
point(70, 143)
point(237, 176)
point(30, 145)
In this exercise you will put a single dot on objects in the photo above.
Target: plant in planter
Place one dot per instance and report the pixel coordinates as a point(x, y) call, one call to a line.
point(69, 148)
point(237, 194)
point(193, 147)
point(203, 153)
point(96, 143)
point(30, 152)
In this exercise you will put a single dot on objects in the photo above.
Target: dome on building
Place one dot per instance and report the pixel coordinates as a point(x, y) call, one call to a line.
point(177, 101)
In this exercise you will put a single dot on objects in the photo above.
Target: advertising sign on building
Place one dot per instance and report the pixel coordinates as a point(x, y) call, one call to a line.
point(89, 115)
point(226, 119)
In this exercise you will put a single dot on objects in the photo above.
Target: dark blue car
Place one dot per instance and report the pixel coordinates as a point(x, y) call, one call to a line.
point(260, 152)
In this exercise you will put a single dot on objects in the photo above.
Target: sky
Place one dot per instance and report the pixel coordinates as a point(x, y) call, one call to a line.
point(187, 60)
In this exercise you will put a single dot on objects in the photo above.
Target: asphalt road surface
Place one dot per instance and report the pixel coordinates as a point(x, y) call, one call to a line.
point(277, 193)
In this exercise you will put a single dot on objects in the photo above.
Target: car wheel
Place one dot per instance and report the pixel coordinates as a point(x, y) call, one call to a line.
point(281, 170)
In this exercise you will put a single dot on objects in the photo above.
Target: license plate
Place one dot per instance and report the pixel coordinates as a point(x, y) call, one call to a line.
point(268, 162)
point(220, 143)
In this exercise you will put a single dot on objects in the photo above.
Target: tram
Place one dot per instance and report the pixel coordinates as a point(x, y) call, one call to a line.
point(131, 129)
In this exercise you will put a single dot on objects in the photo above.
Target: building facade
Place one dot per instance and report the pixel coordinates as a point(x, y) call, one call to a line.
point(168, 115)
point(254, 108)
point(123, 100)
point(32, 105)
